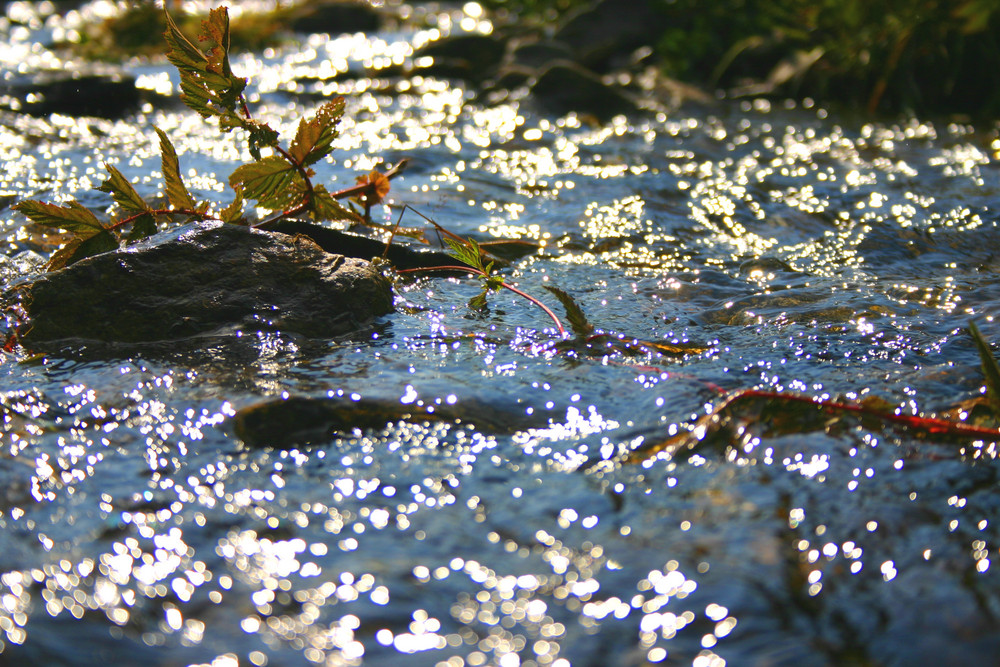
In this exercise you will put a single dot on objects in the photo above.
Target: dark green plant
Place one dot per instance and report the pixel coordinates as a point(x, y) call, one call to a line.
point(135, 31)
point(279, 179)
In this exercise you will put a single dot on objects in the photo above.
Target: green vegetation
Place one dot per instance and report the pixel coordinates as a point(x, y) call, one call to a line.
point(279, 181)
point(136, 31)
point(924, 55)
point(895, 55)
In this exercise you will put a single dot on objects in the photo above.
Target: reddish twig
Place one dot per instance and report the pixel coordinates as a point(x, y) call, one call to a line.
point(483, 274)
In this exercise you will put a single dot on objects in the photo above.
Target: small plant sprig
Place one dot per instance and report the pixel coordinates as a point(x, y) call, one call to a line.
point(469, 252)
point(279, 181)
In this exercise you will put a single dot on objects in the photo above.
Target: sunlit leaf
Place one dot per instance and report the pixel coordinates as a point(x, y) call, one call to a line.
point(208, 85)
point(177, 192)
point(991, 371)
point(142, 227)
point(466, 251)
point(376, 190)
point(314, 137)
point(325, 207)
point(577, 319)
point(122, 191)
point(79, 248)
point(272, 181)
point(73, 217)
point(233, 212)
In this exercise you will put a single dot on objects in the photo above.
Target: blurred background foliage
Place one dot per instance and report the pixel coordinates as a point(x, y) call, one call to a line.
point(880, 55)
point(877, 55)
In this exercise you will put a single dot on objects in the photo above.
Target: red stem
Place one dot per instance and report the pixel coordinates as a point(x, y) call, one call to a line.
point(930, 424)
point(477, 272)
point(201, 215)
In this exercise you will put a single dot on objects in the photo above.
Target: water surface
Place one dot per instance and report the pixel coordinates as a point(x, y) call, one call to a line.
point(791, 249)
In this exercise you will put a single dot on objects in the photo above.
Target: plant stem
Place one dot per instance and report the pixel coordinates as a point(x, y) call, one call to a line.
point(483, 274)
point(201, 215)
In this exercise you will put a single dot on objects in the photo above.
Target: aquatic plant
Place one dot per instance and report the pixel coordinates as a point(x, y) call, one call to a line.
point(279, 179)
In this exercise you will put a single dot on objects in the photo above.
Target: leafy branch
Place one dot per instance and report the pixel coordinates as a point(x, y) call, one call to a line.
point(279, 181)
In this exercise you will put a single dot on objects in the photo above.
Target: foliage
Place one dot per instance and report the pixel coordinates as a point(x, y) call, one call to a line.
point(136, 31)
point(279, 181)
point(918, 54)
point(468, 251)
point(913, 55)
point(991, 370)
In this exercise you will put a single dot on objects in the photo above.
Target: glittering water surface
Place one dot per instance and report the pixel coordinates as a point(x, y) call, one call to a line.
point(792, 250)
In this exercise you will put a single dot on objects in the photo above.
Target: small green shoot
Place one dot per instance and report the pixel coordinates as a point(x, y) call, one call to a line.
point(468, 252)
point(991, 371)
point(578, 321)
point(279, 181)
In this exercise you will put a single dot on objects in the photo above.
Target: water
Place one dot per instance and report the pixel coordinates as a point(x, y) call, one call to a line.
point(788, 248)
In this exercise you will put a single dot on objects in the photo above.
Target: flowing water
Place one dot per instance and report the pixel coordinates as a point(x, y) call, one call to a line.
point(779, 246)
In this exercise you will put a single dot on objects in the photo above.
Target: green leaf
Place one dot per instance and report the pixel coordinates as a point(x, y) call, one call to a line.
point(73, 217)
point(234, 212)
point(122, 192)
point(991, 371)
point(314, 137)
point(272, 181)
point(577, 320)
point(80, 248)
point(467, 251)
point(142, 227)
point(325, 207)
point(177, 192)
point(208, 85)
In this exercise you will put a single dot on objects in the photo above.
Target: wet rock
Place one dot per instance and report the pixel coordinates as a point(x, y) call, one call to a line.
point(85, 90)
point(337, 17)
point(537, 54)
point(355, 245)
point(471, 57)
point(606, 33)
point(563, 87)
point(301, 420)
point(205, 279)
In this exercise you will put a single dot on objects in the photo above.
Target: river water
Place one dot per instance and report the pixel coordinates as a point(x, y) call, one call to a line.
point(777, 246)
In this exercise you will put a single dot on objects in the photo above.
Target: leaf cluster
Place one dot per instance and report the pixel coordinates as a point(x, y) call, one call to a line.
point(468, 252)
point(278, 179)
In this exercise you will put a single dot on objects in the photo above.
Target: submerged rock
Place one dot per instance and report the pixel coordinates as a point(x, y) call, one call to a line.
point(337, 17)
point(205, 279)
point(81, 90)
point(299, 421)
point(564, 86)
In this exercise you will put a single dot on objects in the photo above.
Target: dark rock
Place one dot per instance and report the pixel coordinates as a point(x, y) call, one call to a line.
point(337, 18)
point(205, 279)
point(90, 90)
point(563, 87)
point(471, 57)
point(611, 30)
point(537, 54)
point(301, 420)
point(355, 245)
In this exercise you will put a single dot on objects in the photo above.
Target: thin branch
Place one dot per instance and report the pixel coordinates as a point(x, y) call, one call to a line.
point(483, 274)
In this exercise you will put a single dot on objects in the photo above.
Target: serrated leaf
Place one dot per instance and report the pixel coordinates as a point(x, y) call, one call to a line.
point(234, 212)
point(73, 217)
point(142, 227)
point(468, 252)
point(577, 319)
point(122, 191)
point(177, 192)
point(80, 248)
point(325, 207)
point(991, 371)
point(272, 181)
point(377, 188)
point(314, 137)
point(208, 85)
